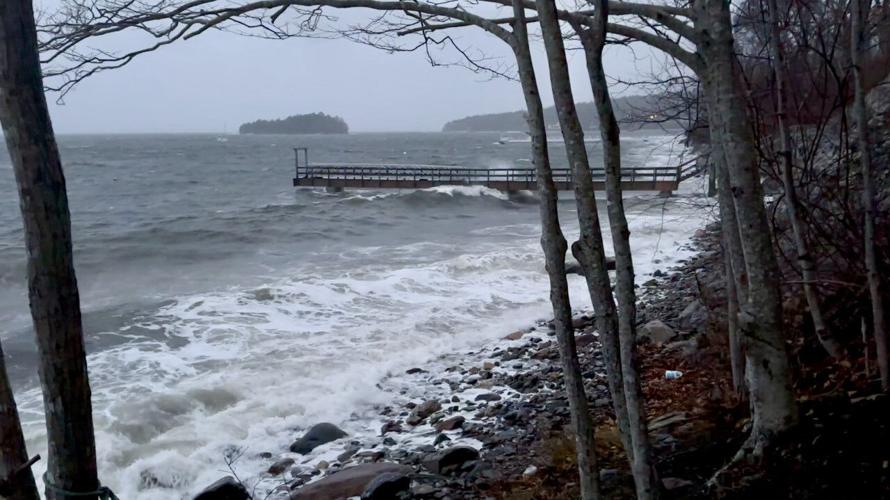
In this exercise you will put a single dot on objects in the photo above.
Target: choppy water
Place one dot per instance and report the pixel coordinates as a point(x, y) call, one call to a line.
point(223, 307)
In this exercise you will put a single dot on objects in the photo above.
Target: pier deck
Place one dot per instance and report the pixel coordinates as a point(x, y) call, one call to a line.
point(403, 176)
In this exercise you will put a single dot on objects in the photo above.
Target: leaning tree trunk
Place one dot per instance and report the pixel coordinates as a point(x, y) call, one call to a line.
point(767, 369)
point(589, 249)
point(860, 115)
point(554, 245)
point(593, 41)
point(16, 479)
point(55, 305)
point(792, 204)
point(736, 276)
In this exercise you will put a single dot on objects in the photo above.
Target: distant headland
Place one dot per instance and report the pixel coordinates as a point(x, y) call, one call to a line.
point(312, 123)
point(643, 111)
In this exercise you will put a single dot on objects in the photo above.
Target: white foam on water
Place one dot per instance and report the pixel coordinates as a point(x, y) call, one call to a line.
point(253, 368)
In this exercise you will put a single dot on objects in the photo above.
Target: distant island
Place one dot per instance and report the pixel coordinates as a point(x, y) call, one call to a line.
point(312, 123)
point(629, 108)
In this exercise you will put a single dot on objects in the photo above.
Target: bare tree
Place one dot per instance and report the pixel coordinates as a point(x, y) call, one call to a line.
point(593, 40)
point(16, 479)
point(858, 20)
point(792, 203)
point(767, 369)
point(55, 304)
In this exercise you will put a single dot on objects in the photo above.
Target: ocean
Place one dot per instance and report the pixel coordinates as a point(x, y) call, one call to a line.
point(224, 308)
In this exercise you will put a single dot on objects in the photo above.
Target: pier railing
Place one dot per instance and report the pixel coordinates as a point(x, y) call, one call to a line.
point(366, 175)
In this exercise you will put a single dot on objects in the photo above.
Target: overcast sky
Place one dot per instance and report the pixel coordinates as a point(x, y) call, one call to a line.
point(217, 81)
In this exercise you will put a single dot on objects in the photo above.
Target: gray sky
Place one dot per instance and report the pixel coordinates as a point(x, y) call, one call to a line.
point(220, 80)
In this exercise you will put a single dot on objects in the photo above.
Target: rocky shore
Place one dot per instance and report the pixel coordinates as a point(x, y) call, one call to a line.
point(493, 423)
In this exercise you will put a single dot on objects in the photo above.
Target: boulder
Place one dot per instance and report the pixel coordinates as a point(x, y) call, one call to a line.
point(488, 396)
point(687, 349)
point(387, 486)
point(349, 482)
point(226, 488)
point(515, 335)
point(318, 435)
point(451, 423)
point(423, 410)
point(280, 466)
point(694, 317)
point(391, 426)
point(448, 461)
point(656, 331)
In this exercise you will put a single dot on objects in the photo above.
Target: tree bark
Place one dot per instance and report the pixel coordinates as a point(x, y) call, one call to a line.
point(589, 250)
point(14, 483)
point(769, 382)
point(54, 300)
point(593, 41)
point(554, 245)
point(734, 266)
point(860, 115)
point(792, 204)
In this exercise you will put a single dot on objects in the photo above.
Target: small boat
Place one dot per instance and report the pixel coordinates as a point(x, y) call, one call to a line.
point(514, 137)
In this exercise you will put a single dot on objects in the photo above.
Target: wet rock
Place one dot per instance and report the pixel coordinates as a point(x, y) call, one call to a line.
point(318, 435)
point(226, 488)
point(441, 438)
point(487, 365)
point(488, 396)
point(387, 486)
point(582, 341)
point(391, 426)
point(581, 322)
point(348, 453)
point(370, 456)
point(657, 332)
point(515, 335)
point(449, 461)
point(422, 411)
point(451, 423)
point(280, 466)
point(412, 371)
point(349, 482)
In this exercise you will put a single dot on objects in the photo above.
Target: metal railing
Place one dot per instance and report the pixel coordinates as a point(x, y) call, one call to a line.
point(467, 176)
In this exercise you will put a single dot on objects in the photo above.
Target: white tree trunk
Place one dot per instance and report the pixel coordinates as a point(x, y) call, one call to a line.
point(554, 245)
point(858, 19)
point(773, 404)
point(593, 41)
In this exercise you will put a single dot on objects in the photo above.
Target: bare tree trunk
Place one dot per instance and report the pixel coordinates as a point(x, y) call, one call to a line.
point(554, 245)
point(736, 352)
point(769, 381)
point(792, 204)
point(593, 40)
point(858, 19)
point(589, 250)
point(15, 482)
point(55, 304)
point(734, 259)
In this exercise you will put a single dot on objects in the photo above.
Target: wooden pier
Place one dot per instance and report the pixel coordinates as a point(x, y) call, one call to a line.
point(405, 176)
